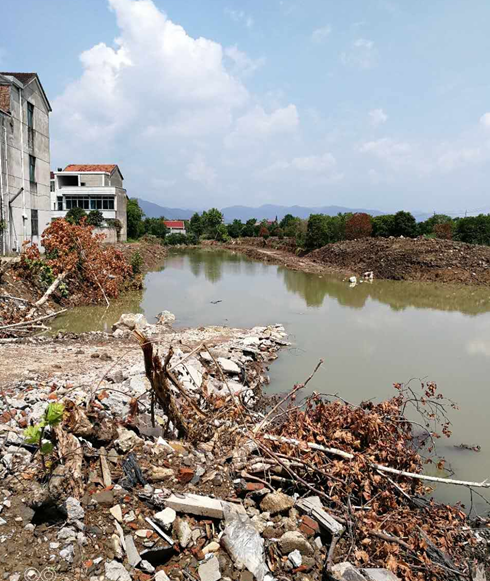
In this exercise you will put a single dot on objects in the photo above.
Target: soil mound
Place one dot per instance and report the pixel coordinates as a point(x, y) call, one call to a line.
point(420, 259)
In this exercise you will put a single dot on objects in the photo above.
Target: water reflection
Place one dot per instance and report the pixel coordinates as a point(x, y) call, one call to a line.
point(370, 336)
point(398, 295)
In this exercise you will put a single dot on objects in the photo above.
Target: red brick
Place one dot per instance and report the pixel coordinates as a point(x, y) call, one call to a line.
point(309, 522)
point(185, 475)
point(254, 486)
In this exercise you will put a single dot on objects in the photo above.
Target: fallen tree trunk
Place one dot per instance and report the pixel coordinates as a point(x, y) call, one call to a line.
point(47, 294)
point(380, 467)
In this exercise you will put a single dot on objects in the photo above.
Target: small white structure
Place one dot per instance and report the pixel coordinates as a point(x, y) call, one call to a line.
point(175, 226)
point(91, 187)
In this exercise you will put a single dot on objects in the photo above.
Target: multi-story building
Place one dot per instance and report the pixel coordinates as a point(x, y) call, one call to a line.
point(91, 187)
point(24, 160)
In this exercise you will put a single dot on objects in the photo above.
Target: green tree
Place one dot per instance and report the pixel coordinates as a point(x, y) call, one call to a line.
point(428, 226)
point(75, 215)
point(196, 225)
point(222, 233)
point(317, 233)
point(212, 220)
point(383, 226)
point(155, 227)
point(287, 221)
point(135, 219)
point(95, 218)
point(235, 228)
point(405, 225)
point(473, 229)
point(249, 228)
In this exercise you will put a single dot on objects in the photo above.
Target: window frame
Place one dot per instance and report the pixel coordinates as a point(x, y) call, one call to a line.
point(32, 169)
point(34, 222)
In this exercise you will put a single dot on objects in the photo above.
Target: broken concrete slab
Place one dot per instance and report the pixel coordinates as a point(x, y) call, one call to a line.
point(198, 505)
point(346, 572)
point(228, 366)
point(209, 570)
point(166, 517)
point(131, 551)
point(115, 571)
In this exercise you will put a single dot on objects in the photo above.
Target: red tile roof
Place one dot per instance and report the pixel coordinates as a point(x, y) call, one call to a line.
point(109, 168)
point(174, 223)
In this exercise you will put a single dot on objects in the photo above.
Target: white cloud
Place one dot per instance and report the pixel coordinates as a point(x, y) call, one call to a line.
point(156, 81)
point(377, 117)
point(457, 158)
point(386, 148)
point(199, 171)
point(362, 54)
point(240, 16)
point(320, 35)
point(257, 124)
point(315, 163)
point(312, 170)
point(485, 120)
point(242, 64)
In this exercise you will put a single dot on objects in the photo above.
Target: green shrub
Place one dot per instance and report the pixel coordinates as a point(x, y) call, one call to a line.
point(95, 218)
point(75, 215)
point(175, 239)
point(136, 262)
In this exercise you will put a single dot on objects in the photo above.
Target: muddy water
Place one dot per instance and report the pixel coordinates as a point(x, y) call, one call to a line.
point(370, 336)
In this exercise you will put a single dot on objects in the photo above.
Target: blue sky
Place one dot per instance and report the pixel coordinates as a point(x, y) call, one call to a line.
point(362, 103)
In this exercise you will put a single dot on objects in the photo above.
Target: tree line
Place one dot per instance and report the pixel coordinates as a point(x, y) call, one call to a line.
point(316, 231)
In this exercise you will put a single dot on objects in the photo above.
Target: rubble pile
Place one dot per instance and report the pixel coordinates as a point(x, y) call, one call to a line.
point(173, 467)
point(421, 259)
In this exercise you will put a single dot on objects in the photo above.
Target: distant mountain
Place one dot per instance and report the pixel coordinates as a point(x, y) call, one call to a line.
point(152, 210)
point(270, 211)
point(244, 213)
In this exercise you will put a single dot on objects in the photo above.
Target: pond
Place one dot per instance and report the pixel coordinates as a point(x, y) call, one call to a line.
point(370, 336)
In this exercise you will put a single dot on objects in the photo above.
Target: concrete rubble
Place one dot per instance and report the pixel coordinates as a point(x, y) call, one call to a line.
point(143, 505)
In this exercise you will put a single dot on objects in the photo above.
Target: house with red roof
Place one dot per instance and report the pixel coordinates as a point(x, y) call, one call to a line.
point(175, 226)
point(91, 187)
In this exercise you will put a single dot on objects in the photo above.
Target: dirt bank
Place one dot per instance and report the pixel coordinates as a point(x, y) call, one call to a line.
point(152, 254)
point(421, 259)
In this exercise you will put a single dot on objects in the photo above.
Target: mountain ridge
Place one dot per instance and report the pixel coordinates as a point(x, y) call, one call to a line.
point(244, 213)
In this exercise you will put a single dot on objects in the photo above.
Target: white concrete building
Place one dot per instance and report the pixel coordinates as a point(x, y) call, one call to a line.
point(24, 161)
point(90, 187)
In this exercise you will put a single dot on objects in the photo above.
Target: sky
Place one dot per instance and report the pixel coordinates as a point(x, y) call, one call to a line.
point(379, 104)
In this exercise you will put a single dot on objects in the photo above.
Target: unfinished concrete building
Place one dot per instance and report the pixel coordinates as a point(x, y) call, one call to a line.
point(91, 187)
point(24, 161)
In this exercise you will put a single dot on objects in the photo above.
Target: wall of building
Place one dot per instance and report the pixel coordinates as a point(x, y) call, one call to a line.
point(92, 179)
point(116, 179)
point(109, 233)
point(35, 196)
point(121, 212)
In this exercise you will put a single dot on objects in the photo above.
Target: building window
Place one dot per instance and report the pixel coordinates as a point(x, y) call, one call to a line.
point(101, 203)
point(30, 125)
point(59, 203)
point(51, 186)
point(30, 115)
point(32, 169)
point(34, 223)
point(77, 202)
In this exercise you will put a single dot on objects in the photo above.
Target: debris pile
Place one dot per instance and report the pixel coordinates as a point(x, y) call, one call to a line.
point(421, 259)
point(175, 467)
